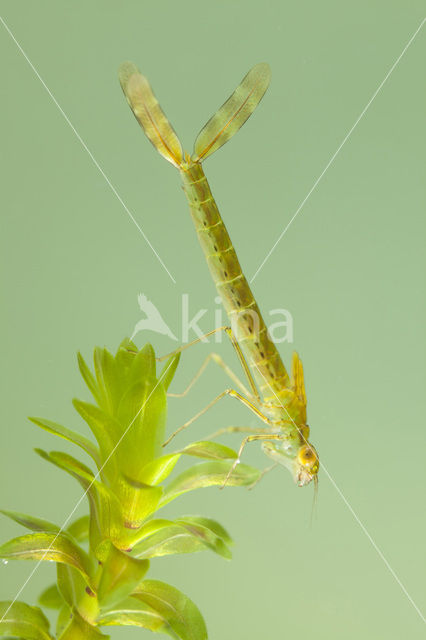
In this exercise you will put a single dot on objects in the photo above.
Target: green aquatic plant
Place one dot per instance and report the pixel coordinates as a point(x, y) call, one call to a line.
point(102, 559)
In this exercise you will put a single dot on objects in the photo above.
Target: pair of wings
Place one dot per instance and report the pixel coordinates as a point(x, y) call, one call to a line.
point(219, 129)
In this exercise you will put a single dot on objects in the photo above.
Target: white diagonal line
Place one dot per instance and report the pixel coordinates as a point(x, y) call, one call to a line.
point(86, 148)
point(339, 491)
point(317, 181)
point(79, 501)
point(373, 543)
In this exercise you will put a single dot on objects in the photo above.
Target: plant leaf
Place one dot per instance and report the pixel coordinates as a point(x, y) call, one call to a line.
point(19, 620)
point(71, 585)
point(120, 575)
point(105, 429)
point(126, 353)
point(177, 610)
point(143, 366)
point(142, 416)
point(79, 628)
point(88, 378)
point(105, 510)
point(138, 502)
point(55, 547)
point(151, 527)
point(213, 525)
point(105, 379)
point(185, 535)
point(30, 522)
point(207, 535)
point(50, 598)
point(170, 540)
point(63, 620)
point(209, 450)
point(79, 529)
point(208, 474)
point(71, 436)
point(169, 370)
point(158, 469)
point(109, 379)
point(132, 612)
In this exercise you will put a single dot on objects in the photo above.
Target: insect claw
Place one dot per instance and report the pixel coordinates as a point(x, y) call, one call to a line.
point(166, 442)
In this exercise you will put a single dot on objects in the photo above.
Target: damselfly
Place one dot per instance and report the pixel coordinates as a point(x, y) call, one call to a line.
point(278, 400)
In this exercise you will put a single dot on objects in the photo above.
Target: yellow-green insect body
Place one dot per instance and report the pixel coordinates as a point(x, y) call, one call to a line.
point(278, 400)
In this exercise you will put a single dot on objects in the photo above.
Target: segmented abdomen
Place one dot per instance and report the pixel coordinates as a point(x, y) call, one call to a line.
point(238, 300)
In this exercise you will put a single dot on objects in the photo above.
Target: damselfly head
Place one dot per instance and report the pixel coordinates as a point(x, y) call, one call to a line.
point(307, 465)
point(301, 460)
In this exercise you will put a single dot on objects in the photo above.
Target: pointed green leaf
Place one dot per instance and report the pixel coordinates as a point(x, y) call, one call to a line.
point(131, 612)
point(178, 611)
point(71, 585)
point(19, 620)
point(79, 628)
point(185, 535)
point(159, 469)
point(144, 366)
point(208, 474)
point(64, 619)
point(152, 526)
point(138, 501)
point(105, 510)
point(209, 450)
point(50, 598)
point(142, 415)
point(106, 430)
point(169, 370)
point(54, 547)
point(126, 351)
point(105, 379)
point(132, 411)
point(67, 463)
point(30, 522)
point(109, 381)
point(213, 525)
point(88, 378)
point(120, 576)
point(71, 436)
point(167, 541)
point(207, 536)
point(79, 529)
point(124, 358)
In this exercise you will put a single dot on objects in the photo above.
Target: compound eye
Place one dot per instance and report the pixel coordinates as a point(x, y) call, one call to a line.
point(308, 457)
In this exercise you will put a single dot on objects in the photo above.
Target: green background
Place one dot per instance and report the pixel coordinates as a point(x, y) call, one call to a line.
point(351, 270)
